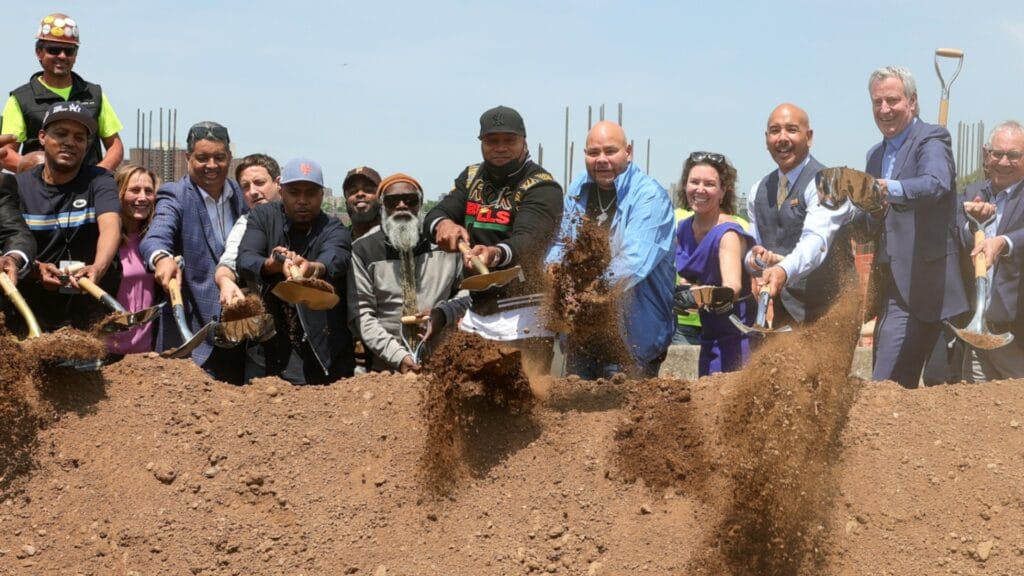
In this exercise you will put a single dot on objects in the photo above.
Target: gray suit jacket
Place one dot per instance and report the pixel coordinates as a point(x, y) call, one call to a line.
point(1007, 302)
point(918, 235)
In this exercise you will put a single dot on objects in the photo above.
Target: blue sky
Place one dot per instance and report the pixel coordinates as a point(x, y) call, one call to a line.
point(400, 85)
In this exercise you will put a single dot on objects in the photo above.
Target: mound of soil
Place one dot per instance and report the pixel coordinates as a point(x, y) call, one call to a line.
point(151, 467)
point(63, 344)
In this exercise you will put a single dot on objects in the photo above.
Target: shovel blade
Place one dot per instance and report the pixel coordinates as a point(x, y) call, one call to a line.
point(495, 279)
point(259, 328)
point(982, 340)
point(756, 329)
point(312, 298)
point(186, 349)
point(130, 320)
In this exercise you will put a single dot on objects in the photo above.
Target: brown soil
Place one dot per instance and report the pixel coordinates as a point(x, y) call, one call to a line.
point(982, 340)
point(150, 467)
point(582, 303)
point(248, 307)
point(63, 344)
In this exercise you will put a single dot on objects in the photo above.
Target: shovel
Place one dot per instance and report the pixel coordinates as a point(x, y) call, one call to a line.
point(485, 279)
point(122, 319)
point(944, 102)
point(191, 340)
point(312, 293)
point(19, 302)
point(411, 323)
point(976, 333)
point(258, 327)
point(760, 323)
point(42, 343)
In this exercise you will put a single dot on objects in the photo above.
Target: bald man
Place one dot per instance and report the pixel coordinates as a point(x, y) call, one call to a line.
point(809, 256)
point(615, 194)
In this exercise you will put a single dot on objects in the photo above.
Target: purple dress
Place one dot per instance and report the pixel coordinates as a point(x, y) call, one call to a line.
point(723, 348)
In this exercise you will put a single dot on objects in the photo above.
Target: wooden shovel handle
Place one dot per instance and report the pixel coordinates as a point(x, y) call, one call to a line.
point(475, 261)
point(414, 319)
point(175, 290)
point(949, 52)
point(293, 271)
point(980, 262)
point(19, 302)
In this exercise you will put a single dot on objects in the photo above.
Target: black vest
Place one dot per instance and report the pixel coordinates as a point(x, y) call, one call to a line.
point(808, 299)
point(34, 99)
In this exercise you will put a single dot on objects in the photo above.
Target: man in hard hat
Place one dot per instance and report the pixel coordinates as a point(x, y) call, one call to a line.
point(57, 43)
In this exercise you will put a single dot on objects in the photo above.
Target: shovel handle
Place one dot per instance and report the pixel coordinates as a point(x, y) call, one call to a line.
point(980, 262)
point(175, 290)
point(414, 319)
point(19, 302)
point(475, 261)
point(943, 112)
point(949, 52)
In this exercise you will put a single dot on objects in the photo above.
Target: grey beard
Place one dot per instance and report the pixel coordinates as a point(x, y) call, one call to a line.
point(402, 231)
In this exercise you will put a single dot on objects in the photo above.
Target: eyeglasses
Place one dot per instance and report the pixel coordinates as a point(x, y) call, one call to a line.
point(1013, 156)
point(698, 157)
point(391, 201)
point(56, 49)
point(208, 131)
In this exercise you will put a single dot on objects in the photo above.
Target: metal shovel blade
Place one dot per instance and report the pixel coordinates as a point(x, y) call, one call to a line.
point(295, 292)
point(129, 320)
point(259, 328)
point(982, 340)
point(494, 279)
point(760, 324)
point(194, 341)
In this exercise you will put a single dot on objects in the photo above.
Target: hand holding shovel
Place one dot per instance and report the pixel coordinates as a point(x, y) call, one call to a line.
point(314, 293)
point(122, 319)
point(485, 279)
point(976, 334)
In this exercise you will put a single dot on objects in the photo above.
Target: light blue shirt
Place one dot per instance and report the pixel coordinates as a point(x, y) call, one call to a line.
point(892, 148)
point(642, 254)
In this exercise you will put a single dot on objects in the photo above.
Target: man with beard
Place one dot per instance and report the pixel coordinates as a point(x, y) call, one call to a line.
point(74, 214)
point(812, 259)
point(311, 346)
point(193, 218)
point(57, 44)
point(397, 272)
point(361, 187)
point(506, 209)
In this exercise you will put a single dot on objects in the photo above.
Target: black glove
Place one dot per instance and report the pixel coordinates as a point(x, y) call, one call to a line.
point(682, 301)
point(716, 299)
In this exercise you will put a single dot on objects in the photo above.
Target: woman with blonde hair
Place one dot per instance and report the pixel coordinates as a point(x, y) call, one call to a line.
point(136, 187)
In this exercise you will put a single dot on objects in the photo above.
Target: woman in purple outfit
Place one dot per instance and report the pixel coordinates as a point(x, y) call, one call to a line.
point(710, 249)
point(136, 187)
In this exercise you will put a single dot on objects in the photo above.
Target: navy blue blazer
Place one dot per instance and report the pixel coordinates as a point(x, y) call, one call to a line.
point(920, 236)
point(181, 226)
point(1007, 300)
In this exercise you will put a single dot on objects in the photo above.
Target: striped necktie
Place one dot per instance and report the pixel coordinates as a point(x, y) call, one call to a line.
point(783, 191)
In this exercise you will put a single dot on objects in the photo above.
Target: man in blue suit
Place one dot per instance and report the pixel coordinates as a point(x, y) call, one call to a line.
point(1000, 196)
point(916, 271)
point(193, 218)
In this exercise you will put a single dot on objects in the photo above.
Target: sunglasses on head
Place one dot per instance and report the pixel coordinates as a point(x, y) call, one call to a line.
point(208, 131)
point(56, 49)
point(698, 157)
point(391, 201)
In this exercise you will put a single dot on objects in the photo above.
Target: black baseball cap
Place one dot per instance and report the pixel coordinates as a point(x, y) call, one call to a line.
point(502, 120)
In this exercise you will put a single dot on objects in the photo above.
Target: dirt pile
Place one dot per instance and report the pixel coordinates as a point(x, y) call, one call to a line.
point(150, 467)
point(582, 302)
point(64, 344)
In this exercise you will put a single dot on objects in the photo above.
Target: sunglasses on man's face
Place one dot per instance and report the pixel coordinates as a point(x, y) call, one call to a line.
point(1013, 156)
point(698, 157)
point(392, 201)
point(56, 49)
point(205, 132)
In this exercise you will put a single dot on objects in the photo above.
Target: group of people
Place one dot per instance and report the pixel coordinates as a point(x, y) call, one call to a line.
point(398, 272)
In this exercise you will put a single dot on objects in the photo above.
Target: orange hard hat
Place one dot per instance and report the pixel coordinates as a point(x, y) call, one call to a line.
point(58, 27)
